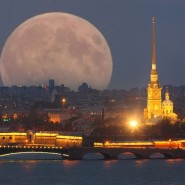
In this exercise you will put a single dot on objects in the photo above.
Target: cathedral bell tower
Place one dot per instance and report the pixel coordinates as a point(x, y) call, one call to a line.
point(154, 100)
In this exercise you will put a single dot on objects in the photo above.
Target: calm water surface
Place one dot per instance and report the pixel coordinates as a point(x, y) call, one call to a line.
point(92, 172)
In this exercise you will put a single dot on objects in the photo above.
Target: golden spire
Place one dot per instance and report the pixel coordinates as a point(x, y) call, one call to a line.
point(167, 96)
point(153, 44)
point(154, 75)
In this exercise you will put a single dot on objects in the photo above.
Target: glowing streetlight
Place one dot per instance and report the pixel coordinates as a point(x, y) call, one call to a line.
point(133, 125)
point(63, 102)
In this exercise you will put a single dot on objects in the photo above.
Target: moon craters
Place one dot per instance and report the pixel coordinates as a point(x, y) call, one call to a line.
point(60, 46)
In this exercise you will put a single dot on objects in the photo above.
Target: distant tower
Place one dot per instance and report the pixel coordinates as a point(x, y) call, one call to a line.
point(167, 105)
point(84, 88)
point(154, 108)
point(51, 86)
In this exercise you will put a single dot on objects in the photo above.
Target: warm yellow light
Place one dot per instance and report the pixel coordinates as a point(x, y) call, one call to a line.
point(15, 116)
point(69, 137)
point(133, 123)
point(63, 100)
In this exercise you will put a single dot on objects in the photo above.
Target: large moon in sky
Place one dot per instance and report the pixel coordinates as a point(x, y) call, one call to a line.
point(57, 46)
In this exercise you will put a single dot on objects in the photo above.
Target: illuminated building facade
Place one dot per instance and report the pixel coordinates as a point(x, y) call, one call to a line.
point(40, 138)
point(156, 110)
point(167, 106)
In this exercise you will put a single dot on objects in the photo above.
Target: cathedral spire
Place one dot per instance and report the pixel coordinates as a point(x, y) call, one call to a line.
point(154, 99)
point(154, 75)
point(167, 96)
point(153, 45)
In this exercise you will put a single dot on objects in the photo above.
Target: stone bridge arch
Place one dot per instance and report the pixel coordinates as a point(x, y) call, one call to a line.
point(136, 153)
point(160, 155)
point(126, 155)
point(31, 155)
point(157, 155)
point(93, 156)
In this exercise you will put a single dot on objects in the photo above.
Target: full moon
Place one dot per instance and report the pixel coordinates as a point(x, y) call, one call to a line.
point(57, 46)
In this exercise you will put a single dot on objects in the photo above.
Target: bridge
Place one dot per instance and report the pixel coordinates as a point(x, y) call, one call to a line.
point(8, 149)
point(114, 153)
point(78, 153)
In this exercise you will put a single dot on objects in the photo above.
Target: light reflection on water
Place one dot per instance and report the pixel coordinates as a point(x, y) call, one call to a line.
point(70, 164)
point(140, 163)
point(92, 172)
point(28, 165)
point(109, 163)
point(174, 161)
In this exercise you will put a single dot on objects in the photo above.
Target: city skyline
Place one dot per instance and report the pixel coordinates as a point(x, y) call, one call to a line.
point(127, 28)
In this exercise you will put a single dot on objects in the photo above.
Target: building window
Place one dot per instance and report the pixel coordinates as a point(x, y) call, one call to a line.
point(10, 137)
point(3, 137)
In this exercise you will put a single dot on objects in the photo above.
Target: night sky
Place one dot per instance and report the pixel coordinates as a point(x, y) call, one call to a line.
point(126, 25)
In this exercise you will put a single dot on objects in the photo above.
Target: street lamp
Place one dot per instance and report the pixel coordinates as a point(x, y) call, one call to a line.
point(63, 102)
point(133, 125)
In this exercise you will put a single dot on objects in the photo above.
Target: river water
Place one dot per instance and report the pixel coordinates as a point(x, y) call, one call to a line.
point(91, 172)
